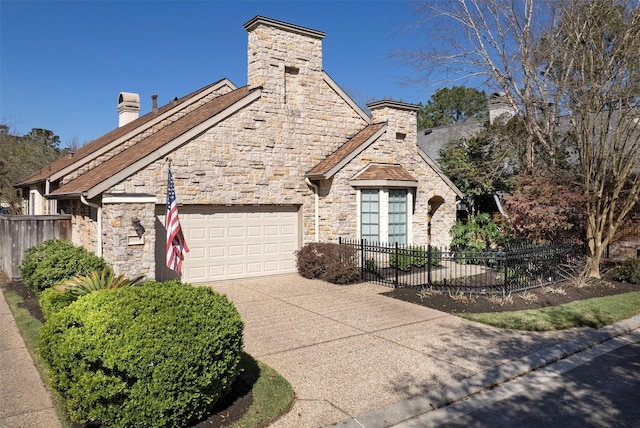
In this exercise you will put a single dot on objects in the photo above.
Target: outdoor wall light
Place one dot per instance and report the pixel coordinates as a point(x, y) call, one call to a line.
point(135, 221)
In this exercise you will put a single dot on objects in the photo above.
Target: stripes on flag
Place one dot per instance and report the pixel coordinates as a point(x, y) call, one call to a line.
point(176, 244)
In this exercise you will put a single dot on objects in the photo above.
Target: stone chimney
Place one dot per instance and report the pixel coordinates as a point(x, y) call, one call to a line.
point(277, 50)
point(401, 118)
point(128, 107)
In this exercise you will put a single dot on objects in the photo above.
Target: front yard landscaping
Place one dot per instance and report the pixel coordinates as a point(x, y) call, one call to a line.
point(258, 397)
point(559, 306)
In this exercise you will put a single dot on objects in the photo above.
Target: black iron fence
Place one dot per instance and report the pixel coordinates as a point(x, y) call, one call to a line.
point(501, 271)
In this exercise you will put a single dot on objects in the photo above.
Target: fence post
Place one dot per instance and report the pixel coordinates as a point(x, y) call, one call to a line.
point(396, 281)
point(505, 293)
point(429, 265)
point(363, 270)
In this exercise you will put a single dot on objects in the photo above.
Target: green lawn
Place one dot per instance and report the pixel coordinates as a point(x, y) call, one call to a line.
point(596, 313)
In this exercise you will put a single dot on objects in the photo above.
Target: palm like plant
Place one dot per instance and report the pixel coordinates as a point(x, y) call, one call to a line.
point(97, 280)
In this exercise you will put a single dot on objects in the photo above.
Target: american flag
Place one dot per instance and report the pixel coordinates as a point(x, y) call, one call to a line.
point(176, 245)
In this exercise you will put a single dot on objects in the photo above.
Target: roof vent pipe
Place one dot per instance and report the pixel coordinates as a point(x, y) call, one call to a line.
point(154, 103)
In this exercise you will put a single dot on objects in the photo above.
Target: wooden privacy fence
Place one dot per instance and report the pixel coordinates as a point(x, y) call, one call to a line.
point(19, 233)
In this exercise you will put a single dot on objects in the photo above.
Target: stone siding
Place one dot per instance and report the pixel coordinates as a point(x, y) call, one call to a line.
point(129, 258)
point(84, 225)
point(147, 132)
point(260, 154)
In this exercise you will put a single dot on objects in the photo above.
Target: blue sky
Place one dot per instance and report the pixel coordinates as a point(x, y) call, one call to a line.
point(63, 63)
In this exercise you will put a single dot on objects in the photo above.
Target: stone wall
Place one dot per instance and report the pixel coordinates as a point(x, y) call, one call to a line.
point(84, 225)
point(260, 155)
point(397, 146)
point(122, 248)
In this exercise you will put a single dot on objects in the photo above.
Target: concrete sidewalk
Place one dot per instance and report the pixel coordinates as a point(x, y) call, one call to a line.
point(24, 400)
point(355, 358)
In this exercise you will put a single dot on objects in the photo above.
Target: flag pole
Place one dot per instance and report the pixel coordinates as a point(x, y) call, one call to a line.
point(176, 245)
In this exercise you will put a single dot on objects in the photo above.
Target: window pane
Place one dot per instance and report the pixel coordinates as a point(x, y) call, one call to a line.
point(369, 214)
point(398, 216)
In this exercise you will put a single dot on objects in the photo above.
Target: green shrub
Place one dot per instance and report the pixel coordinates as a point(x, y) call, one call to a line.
point(158, 355)
point(94, 281)
point(329, 262)
point(628, 271)
point(52, 300)
point(55, 260)
point(477, 233)
point(407, 258)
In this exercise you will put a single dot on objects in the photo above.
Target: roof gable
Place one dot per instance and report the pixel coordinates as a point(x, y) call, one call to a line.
point(108, 141)
point(154, 147)
point(336, 160)
point(387, 175)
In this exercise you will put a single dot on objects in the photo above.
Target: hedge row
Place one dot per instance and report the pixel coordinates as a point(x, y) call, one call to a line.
point(150, 355)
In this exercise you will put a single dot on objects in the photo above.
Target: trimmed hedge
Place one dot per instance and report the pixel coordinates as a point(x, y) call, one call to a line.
point(55, 260)
point(405, 259)
point(329, 262)
point(52, 300)
point(157, 355)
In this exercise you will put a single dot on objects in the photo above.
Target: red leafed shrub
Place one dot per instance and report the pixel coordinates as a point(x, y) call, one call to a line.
point(329, 262)
point(547, 208)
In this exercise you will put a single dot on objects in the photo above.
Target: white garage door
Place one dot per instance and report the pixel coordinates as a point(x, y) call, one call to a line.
point(226, 242)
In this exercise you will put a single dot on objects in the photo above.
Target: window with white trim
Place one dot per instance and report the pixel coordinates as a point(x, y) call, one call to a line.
point(397, 216)
point(385, 215)
point(370, 214)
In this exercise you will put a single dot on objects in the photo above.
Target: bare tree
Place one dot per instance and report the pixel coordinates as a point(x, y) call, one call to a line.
point(578, 58)
point(601, 90)
point(495, 40)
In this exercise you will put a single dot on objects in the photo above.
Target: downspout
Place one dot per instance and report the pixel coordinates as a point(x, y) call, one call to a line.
point(47, 185)
point(317, 207)
point(99, 215)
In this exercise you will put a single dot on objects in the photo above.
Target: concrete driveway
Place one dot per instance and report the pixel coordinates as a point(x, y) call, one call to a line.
point(348, 350)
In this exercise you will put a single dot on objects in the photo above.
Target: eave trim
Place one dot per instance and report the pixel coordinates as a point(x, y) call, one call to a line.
point(333, 85)
point(383, 183)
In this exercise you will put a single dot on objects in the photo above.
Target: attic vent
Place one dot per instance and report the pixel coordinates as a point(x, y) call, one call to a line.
point(400, 136)
point(128, 107)
point(291, 70)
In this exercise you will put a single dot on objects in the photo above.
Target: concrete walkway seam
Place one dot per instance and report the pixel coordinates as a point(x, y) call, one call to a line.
point(420, 404)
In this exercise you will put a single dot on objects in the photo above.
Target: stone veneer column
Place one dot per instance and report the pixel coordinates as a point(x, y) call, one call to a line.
point(123, 249)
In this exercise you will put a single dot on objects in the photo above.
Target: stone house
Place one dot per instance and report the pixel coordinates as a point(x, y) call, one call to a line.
point(259, 171)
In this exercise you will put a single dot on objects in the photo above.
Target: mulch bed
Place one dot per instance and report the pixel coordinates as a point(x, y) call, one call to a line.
point(531, 299)
point(231, 408)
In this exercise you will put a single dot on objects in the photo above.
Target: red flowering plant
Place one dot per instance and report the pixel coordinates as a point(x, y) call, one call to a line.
point(547, 208)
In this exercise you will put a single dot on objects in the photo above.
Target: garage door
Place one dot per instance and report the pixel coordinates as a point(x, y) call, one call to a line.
point(227, 243)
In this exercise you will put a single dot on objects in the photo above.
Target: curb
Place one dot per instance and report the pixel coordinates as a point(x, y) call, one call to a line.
point(442, 397)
